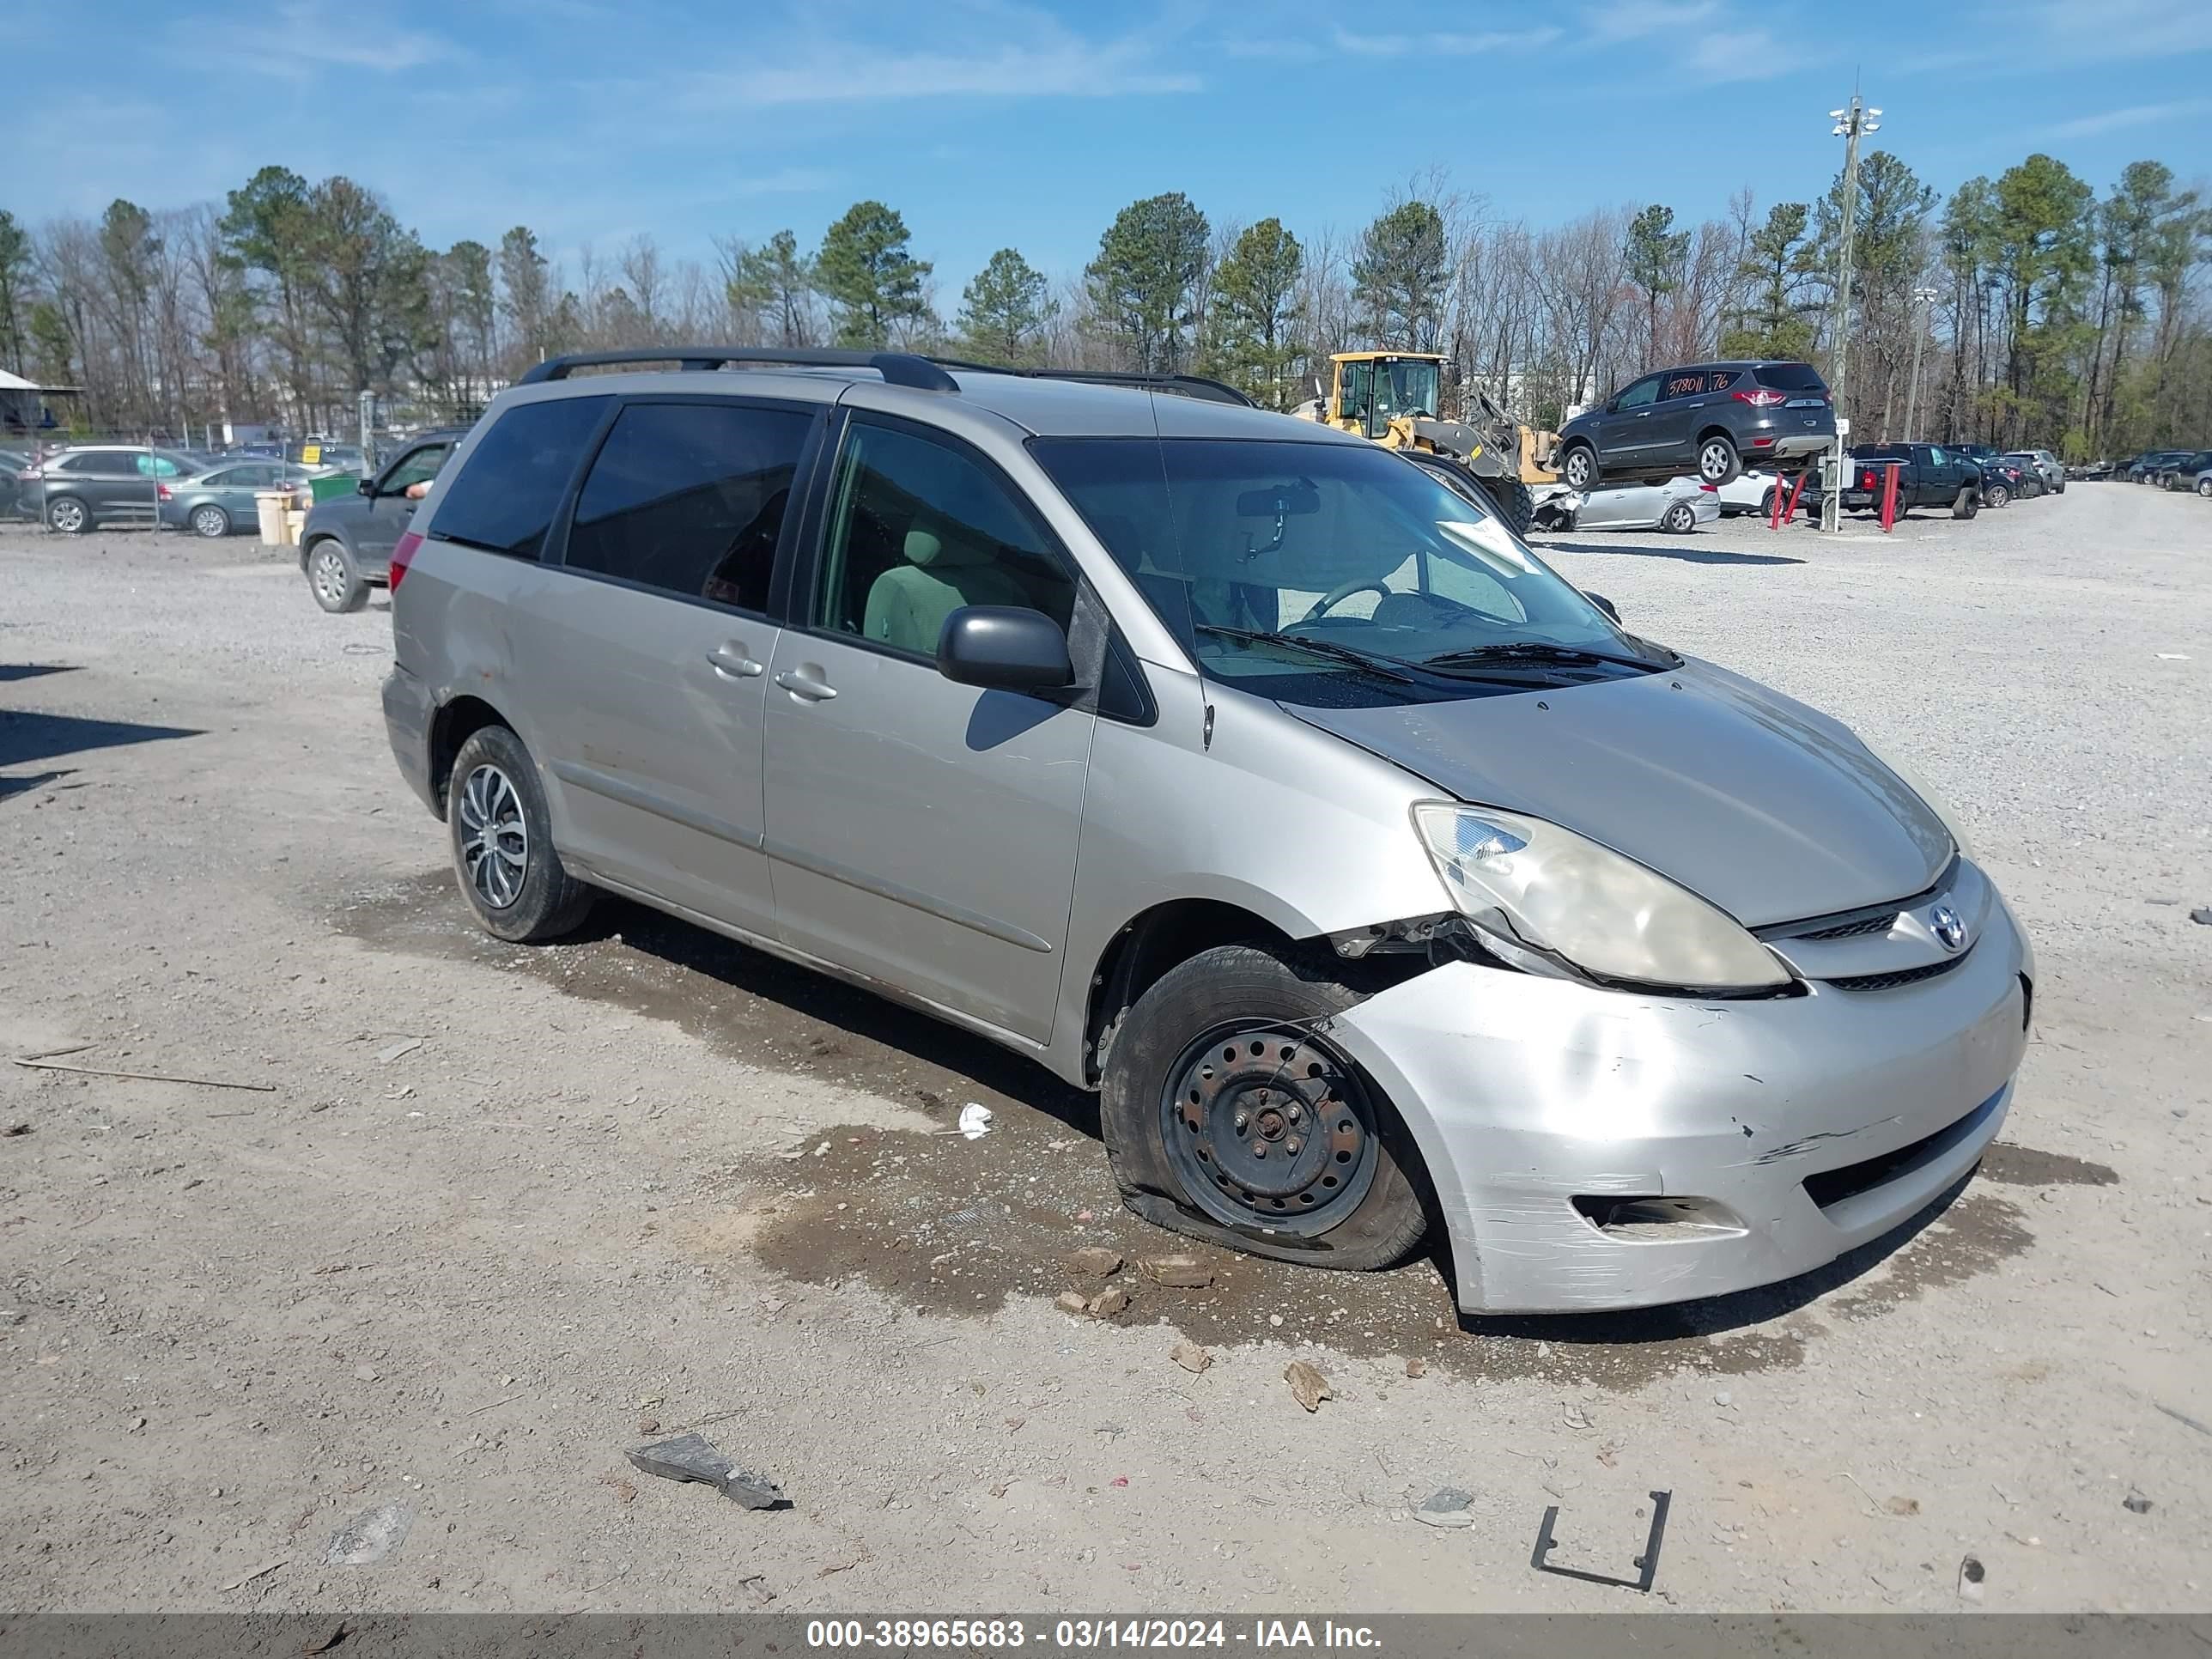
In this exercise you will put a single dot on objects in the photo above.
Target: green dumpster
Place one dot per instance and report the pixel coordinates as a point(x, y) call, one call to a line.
point(336, 484)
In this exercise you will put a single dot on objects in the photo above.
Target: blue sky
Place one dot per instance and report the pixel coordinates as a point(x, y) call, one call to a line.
point(986, 121)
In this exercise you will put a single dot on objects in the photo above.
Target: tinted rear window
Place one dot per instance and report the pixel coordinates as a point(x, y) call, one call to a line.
point(505, 498)
point(691, 498)
point(1790, 377)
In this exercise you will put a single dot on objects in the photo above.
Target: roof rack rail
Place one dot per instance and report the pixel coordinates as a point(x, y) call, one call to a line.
point(898, 367)
point(1187, 386)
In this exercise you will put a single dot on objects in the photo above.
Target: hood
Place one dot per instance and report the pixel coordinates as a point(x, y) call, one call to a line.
point(1769, 809)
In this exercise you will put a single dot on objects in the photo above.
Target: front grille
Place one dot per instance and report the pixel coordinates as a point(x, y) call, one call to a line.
point(1891, 982)
point(1832, 1187)
point(1881, 924)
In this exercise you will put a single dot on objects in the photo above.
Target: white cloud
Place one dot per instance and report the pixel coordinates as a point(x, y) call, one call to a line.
point(2134, 115)
point(1741, 55)
point(1447, 46)
point(2072, 32)
point(1635, 20)
point(315, 31)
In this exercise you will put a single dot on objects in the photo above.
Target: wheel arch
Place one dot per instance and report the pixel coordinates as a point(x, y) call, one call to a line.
point(1146, 947)
point(458, 718)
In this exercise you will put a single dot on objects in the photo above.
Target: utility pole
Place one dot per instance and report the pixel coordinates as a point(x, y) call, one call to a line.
point(1924, 318)
point(1851, 124)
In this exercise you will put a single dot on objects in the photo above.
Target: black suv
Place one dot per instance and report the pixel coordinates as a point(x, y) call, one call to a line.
point(1708, 418)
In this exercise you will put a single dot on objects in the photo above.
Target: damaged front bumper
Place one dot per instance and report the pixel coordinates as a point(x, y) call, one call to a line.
point(1782, 1131)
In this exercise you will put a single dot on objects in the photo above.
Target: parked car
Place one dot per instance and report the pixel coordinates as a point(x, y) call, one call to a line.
point(1711, 419)
point(2182, 474)
point(1753, 490)
point(1929, 474)
point(1231, 767)
point(346, 458)
point(345, 545)
point(1678, 507)
point(2146, 468)
point(2003, 482)
point(220, 500)
point(88, 485)
point(13, 459)
point(2047, 466)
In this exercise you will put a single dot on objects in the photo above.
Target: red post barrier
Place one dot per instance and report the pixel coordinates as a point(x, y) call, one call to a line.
point(1889, 496)
point(1785, 510)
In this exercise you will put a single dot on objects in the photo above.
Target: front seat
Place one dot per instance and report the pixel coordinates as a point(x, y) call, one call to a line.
point(908, 604)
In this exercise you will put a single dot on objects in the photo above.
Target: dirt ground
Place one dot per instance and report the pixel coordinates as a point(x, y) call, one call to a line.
point(490, 1212)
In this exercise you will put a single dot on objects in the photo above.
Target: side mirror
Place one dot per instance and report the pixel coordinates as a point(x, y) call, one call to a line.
point(1604, 604)
point(1004, 647)
point(367, 487)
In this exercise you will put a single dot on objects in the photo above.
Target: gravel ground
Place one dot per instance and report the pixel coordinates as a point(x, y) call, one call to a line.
point(494, 1211)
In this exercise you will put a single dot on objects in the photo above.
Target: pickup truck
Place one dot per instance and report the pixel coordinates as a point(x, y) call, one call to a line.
point(1928, 476)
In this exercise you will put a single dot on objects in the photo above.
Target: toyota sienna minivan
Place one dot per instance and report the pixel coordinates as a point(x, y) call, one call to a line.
point(1377, 880)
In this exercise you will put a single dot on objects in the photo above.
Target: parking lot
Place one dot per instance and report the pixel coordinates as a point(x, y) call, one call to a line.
point(487, 1212)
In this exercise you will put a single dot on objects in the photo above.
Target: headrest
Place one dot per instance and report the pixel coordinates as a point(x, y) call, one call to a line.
point(927, 548)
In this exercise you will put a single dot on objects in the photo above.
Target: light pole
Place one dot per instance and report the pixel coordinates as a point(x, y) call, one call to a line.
point(1851, 124)
point(1923, 318)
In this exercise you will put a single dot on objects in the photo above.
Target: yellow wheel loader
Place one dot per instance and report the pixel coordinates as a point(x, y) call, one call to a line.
point(1394, 396)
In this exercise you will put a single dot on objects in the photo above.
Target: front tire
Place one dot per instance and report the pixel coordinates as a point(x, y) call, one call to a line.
point(503, 836)
point(333, 577)
point(1966, 505)
point(1514, 503)
point(1579, 468)
point(2204, 487)
point(67, 516)
point(1717, 461)
point(210, 521)
point(1225, 1064)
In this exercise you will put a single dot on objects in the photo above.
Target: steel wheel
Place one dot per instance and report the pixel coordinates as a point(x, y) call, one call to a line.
point(495, 839)
point(326, 571)
point(1268, 1124)
point(210, 521)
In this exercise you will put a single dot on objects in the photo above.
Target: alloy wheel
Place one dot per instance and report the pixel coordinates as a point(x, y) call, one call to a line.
point(1269, 1125)
point(68, 517)
point(1713, 462)
point(210, 521)
point(327, 571)
point(495, 839)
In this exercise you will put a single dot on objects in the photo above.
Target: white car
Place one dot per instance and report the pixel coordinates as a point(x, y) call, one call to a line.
point(1751, 491)
point(1678, 507)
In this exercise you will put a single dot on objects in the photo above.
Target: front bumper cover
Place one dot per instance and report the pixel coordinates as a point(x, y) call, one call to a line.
point(1525, 1093)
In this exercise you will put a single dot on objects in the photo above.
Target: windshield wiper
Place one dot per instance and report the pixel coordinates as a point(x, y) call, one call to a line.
point(1385, 667)
point(1533, 651)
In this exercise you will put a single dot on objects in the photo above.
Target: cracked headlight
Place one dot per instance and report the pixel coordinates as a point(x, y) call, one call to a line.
point(1536, 888)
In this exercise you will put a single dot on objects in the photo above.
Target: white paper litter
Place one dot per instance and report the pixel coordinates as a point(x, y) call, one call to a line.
point(975, 1121)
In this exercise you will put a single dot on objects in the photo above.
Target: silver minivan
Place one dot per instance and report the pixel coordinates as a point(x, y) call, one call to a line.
point(1378, 879)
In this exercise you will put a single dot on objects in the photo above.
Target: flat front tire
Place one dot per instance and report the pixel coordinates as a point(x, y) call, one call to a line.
point(1966, 505)
point(1231, 1115)
point(503, 836)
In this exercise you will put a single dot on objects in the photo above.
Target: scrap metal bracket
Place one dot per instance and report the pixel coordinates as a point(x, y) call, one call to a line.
point(1647, 1563)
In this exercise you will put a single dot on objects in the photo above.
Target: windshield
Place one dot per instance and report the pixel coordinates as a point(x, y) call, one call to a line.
point(1303, 570)
point(1406, 388)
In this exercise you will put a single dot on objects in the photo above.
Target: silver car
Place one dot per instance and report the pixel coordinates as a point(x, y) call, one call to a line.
point(1376, 878)
point(2046, 467)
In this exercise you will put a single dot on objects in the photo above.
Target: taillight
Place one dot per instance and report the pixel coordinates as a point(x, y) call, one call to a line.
point(403, 555)
point(1710, 489)
point(1866, 481)
point(1761, 398)
point(161, 492)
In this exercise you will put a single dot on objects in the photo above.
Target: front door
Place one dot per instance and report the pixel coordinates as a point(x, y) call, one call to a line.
point(924, 833)
point(391, 507)
point(652, 646)
point(1625, 434)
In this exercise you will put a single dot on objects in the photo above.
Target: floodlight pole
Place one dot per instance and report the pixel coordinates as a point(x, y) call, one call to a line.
point(1923, 318)
point(1851, 124)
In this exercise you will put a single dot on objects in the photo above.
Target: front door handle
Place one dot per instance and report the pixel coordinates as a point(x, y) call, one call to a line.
point(806, 686)
point(731, 660)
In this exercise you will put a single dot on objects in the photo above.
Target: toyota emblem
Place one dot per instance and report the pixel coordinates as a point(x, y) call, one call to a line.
point(1948, 927)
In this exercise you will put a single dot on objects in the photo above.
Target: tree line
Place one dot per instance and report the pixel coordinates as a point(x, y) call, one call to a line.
point(2033, 310)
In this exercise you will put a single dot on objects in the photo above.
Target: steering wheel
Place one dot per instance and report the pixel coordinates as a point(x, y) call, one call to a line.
point(1338, 595)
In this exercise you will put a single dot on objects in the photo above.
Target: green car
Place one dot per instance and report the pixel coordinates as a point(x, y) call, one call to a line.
point(220, 500)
